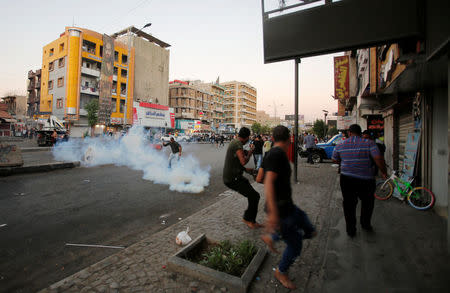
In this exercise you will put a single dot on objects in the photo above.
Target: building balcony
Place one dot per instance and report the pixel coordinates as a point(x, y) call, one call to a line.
point(90, 71)
point(89, 90)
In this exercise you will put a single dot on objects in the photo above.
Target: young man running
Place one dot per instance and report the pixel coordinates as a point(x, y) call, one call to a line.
point(283, 216)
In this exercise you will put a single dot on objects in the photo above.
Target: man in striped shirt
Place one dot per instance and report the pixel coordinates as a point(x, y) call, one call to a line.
point(357, 177)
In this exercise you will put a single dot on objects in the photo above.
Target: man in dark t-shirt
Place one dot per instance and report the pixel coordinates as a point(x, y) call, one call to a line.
point(233, 169)
point(258, 151)
point(283, 216)
point(176, 150)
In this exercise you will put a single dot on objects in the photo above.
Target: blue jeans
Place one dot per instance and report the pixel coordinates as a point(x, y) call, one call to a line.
point(258, 160)
point(293, 228)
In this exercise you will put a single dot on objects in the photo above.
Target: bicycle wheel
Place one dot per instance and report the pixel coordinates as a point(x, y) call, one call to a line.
point(421, 198)
point(383, 190)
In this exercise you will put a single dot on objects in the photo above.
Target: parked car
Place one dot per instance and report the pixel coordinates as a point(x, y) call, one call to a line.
point(179, 138)
point(322, 150)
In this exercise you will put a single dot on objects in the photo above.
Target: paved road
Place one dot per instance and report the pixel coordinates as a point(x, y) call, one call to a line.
point(106, 205)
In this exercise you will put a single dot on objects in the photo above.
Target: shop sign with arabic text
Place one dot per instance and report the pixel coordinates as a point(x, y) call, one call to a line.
point(341, 77)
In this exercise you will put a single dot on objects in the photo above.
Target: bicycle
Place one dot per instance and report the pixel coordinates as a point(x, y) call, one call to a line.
point(419, 197)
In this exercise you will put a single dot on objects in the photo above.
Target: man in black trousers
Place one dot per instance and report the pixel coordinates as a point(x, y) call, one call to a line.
point(233, 169)
point(356, 157)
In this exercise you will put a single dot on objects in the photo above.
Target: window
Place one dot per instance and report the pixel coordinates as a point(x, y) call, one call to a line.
point(101, 51)
point(116, 70)
point(89, 46)
point(124, 59)
point(113, 105)
point(116, 56)
point(50, 84)
point(122, 106)
point(59, 103)
point(114, 87)
point(61, 62)
point(51, 52)
point(123, 89)
point(123, 73)
point(50, 66)
point(61, 47)
point(60, 81)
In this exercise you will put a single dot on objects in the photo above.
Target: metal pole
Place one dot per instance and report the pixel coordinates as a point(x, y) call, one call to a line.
point(297, 61)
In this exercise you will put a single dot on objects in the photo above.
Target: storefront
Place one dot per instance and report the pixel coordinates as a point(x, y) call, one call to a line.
point(153, 115)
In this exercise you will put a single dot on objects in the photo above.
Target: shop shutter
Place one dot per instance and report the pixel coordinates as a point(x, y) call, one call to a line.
point(405, 125)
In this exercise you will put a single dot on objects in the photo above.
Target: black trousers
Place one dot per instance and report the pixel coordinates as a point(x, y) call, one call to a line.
point(243, 186)
point(310, 152)
point(353, 188)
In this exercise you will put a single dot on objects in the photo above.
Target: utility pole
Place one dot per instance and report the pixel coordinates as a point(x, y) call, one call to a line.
point(297, 61)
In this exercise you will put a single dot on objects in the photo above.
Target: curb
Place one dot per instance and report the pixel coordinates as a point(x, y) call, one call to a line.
point(35, 149)
point(37, 168)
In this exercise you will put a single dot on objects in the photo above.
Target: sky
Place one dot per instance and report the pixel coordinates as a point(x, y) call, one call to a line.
point(209, 39)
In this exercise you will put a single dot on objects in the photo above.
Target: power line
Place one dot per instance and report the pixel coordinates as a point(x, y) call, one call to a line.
point(122, 15)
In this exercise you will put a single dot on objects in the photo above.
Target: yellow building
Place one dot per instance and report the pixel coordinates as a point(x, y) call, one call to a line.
point(239, 104)
point(70, 78)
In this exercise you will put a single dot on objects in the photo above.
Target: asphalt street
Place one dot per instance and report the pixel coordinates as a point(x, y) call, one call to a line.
point(106, 205)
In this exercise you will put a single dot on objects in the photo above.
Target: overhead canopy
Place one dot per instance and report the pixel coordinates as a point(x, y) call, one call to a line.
point(141, 34)
point(339, 26)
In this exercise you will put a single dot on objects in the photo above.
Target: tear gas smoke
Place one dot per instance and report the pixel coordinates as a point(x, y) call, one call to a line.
point(135, 151)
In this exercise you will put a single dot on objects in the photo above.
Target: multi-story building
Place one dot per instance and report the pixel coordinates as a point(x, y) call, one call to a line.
point(239, 104)
point(218, 92)
point(33, 92)
point(16, 106)
point(262, 117)
point(151, 66)
point(71, 74)
point(190, 101)
point(72, 70)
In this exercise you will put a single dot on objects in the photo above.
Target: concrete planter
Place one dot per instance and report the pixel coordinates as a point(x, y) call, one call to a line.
point(179, 263)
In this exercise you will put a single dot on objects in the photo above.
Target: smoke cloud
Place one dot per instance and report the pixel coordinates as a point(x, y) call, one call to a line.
point(134, 151)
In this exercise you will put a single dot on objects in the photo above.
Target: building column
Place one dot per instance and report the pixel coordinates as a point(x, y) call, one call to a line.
point(73, 71)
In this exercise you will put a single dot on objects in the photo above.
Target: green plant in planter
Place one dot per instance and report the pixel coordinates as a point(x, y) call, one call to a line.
point(230, 258)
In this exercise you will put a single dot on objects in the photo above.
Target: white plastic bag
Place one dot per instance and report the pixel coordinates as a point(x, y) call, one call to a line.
point(183, 237)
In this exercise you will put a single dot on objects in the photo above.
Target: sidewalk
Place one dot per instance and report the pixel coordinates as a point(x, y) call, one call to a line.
point(329, 263)
point(37, 160)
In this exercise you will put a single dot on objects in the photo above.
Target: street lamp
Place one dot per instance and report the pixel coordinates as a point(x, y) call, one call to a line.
point(128, 71)
point(325, 113)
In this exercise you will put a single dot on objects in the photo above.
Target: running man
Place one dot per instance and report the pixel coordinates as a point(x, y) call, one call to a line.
point(176, 150)
point(284, 218)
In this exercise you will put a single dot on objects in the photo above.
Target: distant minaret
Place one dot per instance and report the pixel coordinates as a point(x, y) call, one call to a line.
point(217, 80)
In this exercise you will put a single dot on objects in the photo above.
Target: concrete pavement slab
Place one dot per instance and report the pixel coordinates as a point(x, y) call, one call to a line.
point(406, 254)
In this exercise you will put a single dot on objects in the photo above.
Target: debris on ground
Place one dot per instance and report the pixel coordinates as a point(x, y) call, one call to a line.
point(183, 238)
point(94, 245)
